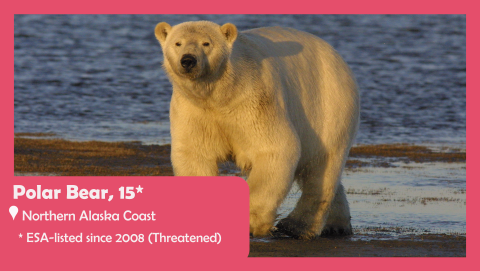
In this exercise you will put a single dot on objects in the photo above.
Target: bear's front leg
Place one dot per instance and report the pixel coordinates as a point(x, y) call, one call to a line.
point(269, 181)
point(197, 143)
point(192, 153)
point(191, 162)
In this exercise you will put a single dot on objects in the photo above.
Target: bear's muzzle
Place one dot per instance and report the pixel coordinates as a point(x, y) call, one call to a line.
point(188, 62)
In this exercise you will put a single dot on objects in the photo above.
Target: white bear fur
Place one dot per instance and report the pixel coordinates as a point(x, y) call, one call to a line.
point(279, 102)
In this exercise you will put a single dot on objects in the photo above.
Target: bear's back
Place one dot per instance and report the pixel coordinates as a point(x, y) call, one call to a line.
point(312, 79)
point(283, 41)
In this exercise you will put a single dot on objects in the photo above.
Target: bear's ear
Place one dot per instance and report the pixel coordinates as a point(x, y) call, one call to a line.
point(230, 32)
point(161, 31)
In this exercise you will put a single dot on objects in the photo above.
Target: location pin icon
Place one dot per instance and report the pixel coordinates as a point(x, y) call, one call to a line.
point(13, 211)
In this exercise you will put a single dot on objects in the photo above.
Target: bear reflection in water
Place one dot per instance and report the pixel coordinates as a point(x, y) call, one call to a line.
point(282, 103)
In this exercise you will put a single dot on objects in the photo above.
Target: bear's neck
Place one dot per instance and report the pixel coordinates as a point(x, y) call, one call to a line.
point(209, 92)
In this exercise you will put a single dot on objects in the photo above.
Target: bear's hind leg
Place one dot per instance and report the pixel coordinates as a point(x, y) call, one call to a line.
point(319, 187)
point(338, 221)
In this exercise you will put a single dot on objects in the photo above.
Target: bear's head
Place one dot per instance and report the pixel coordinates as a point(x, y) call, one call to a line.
point(196, 50)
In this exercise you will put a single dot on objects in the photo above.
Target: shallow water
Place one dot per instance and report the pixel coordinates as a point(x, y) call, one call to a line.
point(413, 198)
point(99, 77)
point(417, 198)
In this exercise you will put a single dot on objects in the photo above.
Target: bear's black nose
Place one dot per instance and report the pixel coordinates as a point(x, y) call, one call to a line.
point(188, 61)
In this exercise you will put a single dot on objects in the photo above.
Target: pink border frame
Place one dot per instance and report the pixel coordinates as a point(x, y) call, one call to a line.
point(266, 7)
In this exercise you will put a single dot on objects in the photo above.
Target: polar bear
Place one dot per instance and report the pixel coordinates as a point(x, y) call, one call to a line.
point(281, 103)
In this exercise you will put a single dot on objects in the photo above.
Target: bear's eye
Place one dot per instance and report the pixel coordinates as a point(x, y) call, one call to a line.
point(178, 44)
point(206, 44)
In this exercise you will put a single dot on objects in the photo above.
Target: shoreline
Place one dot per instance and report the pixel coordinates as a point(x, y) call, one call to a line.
point(97, 158)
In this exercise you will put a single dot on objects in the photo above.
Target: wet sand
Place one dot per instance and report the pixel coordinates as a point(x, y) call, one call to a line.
point(42, 154)
point(92, 158)
point(413, 246)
